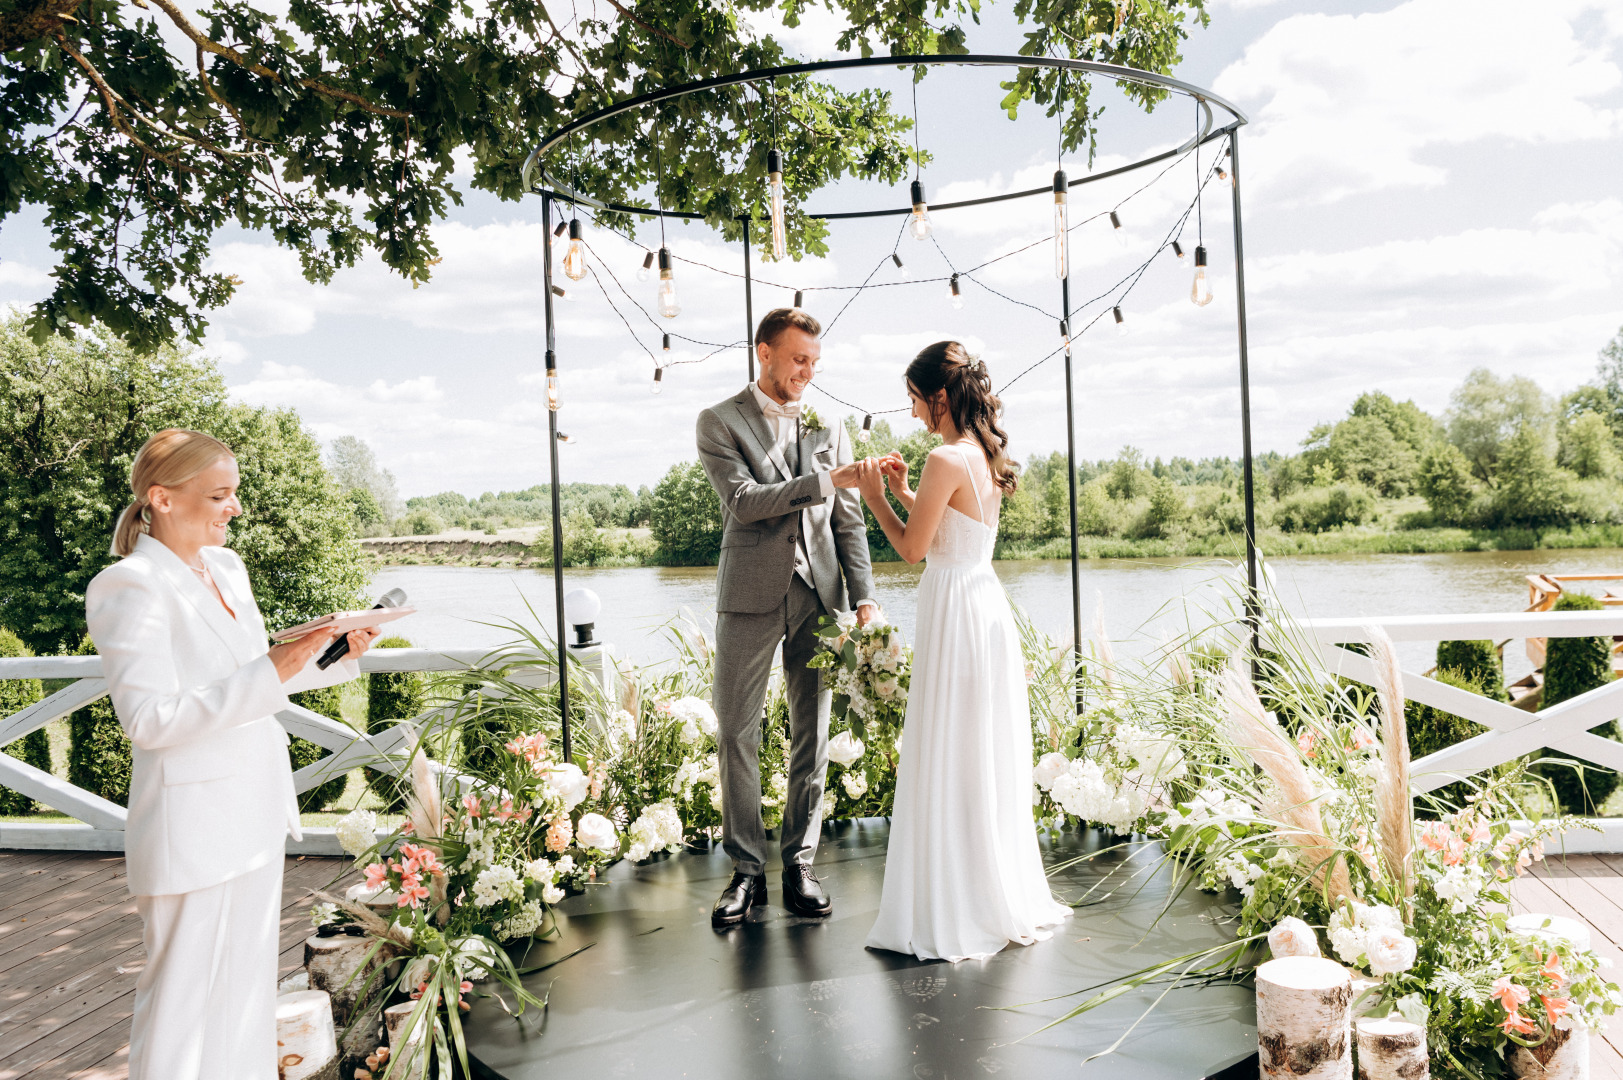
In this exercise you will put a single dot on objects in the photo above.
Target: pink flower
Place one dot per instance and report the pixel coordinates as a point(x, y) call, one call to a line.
point(1555, 1007)
point(1361, 738)
point(1552, 969)
point(470, 803)
point(1304, 742)
point(412, 891)
point(559, 833)
point(532, 748)
point(1510, 995)
point(1518, 1023)
point(507, 813)
point(1434, 836)
point(420, 859)
point(376, 875)
point(1479, 833)
point(405, 828)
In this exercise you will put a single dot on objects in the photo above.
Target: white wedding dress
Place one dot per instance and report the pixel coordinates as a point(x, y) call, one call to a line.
point(964, 877)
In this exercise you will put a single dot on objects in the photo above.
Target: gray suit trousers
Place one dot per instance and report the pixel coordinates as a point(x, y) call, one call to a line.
point(745, 642)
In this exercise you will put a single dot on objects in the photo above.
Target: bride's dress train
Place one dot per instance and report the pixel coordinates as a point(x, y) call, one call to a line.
point(964, 877)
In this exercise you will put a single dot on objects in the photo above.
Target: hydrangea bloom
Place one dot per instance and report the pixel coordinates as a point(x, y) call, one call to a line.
point(495, 884)
point(356, 831)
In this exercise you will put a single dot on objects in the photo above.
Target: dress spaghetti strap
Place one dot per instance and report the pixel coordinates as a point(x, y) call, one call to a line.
point(974, 485)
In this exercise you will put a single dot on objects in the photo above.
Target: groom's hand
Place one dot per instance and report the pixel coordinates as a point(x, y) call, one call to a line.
point(844, 476)
point(866, 611)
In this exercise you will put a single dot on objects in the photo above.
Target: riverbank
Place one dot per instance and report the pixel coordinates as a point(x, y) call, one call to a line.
point(531, 548)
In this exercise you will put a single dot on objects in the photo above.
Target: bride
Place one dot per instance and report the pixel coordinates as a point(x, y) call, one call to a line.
point(963, 877)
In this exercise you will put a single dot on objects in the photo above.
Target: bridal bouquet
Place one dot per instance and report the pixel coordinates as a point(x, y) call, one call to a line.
point(869, 669)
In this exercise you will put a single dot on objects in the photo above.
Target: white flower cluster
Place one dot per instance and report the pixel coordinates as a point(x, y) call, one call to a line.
point(657, 828)
point(622, 730)
point(777, 790)
point(1082, 790)
point(1240, 872)
point(322, 914)
point(1461, 885)
point(481, 846)
point(696, 716)
point(547, 874)
point(1212, 806)
point(1292, 937)
point(495, 884)
point(1372, 936)
point(693, 772)
point(524, 921)
point(1155, 756)
point(855, 784)
point(357, 831)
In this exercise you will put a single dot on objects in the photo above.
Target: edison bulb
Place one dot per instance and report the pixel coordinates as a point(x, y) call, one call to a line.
point(668, 306)
point(1062, 232)
point(659, 379)
point(552, 390)
point(1121, 323)
point(918, 222)
point(575, 258)
point(643, 271)
point(774, 190)
point(956, 294)
point(1200, 291)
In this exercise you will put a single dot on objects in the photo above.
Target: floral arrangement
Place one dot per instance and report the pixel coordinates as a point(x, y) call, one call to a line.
point(869, 670)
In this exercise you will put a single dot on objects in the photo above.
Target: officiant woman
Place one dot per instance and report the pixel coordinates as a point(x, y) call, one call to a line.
point(196, 687)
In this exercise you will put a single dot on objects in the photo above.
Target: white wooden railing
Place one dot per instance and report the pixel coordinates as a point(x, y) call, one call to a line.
point(1509, 732)
point(100, 824)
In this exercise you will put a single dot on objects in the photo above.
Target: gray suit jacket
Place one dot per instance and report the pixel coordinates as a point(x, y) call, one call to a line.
point(764, 504)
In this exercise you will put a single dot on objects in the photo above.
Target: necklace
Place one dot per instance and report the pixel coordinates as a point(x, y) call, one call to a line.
point(201, 571)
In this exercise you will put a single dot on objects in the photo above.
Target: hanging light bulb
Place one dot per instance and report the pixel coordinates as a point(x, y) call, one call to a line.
point(659, 377)
point(668, 306)
point(647, 265)
point(799, 296)
point(867, 428)
point(565, 438)
point(1121, 323)
point(1201, 291)
point(559, 231)
point(957, 296)
point(575, 258)
point(1062, 232)
point(918, 222)
point(665, 344)
point(774, 189)
point(1177, 249)
point(563, 294)
point(1065, 333)
point(897, 259)
point(1117, 231)
point(552, 389)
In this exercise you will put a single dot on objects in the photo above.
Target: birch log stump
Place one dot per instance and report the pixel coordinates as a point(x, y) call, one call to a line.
point(305, 1046)
point(1392, 1049)
point(1304, 1019)
point(406, 1051)
point(1565, 1054)
point(334, 964)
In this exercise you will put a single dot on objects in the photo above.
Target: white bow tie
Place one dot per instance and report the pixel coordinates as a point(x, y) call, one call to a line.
point(791, 411)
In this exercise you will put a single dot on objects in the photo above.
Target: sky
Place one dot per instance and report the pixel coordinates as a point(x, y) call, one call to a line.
point(1429, 186)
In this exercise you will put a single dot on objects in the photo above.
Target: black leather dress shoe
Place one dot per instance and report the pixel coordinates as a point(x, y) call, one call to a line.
point(803, 894)
point(742, 894)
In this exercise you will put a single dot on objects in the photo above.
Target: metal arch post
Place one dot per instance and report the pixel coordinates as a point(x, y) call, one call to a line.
point(749, 303)
point(552, 446)
point(1070, 479)
point(1253, 606)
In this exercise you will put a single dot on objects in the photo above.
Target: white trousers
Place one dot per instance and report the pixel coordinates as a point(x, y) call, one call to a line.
point(205, 1004)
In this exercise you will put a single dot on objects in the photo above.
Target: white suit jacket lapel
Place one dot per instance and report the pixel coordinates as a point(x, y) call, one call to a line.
point(195, 593)
point(750, 410)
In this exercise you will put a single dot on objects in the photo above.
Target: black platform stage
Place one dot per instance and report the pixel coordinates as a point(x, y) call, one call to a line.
point(660, 994)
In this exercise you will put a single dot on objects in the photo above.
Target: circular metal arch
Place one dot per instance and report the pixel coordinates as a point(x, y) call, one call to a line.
point(534, 168)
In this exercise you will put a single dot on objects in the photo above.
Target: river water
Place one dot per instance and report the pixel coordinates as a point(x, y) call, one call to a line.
point(1139, 599)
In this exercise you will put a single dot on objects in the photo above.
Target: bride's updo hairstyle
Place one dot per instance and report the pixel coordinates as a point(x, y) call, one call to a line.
point(974, 409)
point(168, 459)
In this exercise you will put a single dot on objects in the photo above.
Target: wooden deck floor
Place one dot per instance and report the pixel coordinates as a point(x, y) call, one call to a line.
point(70, 952)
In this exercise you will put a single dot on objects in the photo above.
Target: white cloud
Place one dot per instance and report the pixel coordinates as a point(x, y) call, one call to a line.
point(1350, 103)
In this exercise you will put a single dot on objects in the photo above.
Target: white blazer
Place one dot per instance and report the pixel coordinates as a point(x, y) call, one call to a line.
point(211, 791)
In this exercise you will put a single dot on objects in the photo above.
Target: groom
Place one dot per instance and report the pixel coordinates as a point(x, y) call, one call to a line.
point(793, 545)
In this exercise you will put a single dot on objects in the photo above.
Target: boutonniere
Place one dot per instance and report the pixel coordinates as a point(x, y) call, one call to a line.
point(809, 420)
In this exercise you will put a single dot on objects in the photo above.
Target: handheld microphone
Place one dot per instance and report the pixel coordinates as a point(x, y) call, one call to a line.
point(338, 649)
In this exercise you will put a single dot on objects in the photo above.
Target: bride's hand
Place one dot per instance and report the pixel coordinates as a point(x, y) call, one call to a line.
point(870, 478)
point(895, 469)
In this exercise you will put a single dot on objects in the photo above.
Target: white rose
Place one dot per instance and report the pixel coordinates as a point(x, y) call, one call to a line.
point(1293, 937)
point(597, 831)
point(845, 748)
point(1390, 952)
point(568, 782)
point(1049, 768)
point(551, 894)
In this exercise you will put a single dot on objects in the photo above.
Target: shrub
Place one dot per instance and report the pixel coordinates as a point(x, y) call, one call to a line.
point(1318, 509)
point(1430, 730)
point(583, 544)
point(1165, 511)
point(1532, 489)
point(99, 755)
point(1097, 514)
point(1477, 661)
point(686, 517)
point(391, 696)
point(1445, 481)
point(1574, 666)
point(303, 752)
point(33, 748)
point(419, 522)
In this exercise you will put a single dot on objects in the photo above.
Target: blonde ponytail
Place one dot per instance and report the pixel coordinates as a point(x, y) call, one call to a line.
point(168, 459)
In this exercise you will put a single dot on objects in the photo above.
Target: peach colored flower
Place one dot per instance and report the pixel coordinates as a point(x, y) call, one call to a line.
point(1479, 833)
point(1552, 969)
point(470, 803)
point(1362, 739)
point(376, 875)
point(559, 833)
point(1305, 740)
point(406, 829)
point(1518, 1023)
point(1511, 995)
point(1433, 836)
point(420, 859)
point(412, 891)
point(1555, 1007)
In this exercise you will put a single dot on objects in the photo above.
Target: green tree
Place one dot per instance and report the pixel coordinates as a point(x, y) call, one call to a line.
point(1445, 480)
point(73, 412)
point(1096, 513)
point(1609, 373)
point(1409, 423)
point(1021, 517)
point(33, 748)
point(355, 469)
point(1430, 729)
point(1588, 446)
point(1532, 490)
point(327, 701)
point(1364, 449)
point(1128, 479)
point(364, 506)
point(1165, 511)
point(99, 755)
point(339, 129)
point(1574, 666)
point(686, 519)
point(1486, 412)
